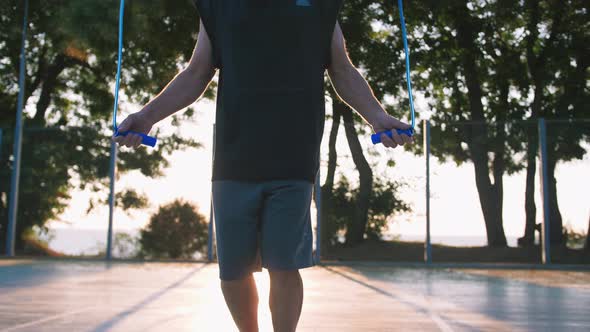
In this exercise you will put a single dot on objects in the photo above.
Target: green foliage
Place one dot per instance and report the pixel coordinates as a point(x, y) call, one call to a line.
point(574, 239)
point(126, 199)
point(384, 204)
point(177, 230)
point(131, 199)
point(71, 62)
point(374, 46)
point(125, 246)
point(41, 235)
point(506, 36)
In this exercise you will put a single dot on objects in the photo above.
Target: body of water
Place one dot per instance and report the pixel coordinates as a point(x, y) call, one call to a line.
point(93, 241)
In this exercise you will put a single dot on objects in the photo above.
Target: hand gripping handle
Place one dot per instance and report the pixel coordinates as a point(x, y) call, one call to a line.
point(145, 139)
point(376, 138)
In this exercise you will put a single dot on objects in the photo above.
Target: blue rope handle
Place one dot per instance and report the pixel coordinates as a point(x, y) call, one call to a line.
point(376, 138)
point(145, 139)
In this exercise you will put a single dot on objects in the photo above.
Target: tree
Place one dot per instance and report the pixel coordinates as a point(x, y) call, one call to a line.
point(467, 66)
point(557, 63)
point(177, 230)
point(71, 52)
point(479, 62)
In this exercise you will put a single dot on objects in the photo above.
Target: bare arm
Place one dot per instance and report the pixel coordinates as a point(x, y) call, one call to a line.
point(183, 90)
point(188, 85)
point(354, 90)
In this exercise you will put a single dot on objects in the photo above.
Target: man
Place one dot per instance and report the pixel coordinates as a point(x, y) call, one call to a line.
point(272, 56)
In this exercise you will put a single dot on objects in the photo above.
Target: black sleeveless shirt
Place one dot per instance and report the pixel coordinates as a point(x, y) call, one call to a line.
point(272, 55)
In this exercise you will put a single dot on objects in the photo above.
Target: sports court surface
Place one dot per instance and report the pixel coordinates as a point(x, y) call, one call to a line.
point(97, 296)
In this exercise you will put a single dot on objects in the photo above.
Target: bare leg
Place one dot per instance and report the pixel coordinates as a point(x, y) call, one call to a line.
point(241, 298)
point(286, 299)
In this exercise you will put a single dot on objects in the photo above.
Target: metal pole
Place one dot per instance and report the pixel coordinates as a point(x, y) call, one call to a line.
point(18, 135)
point(211, 214)
point(427, 244)
point(318, 225)
point(112, 172)
point(546, 247)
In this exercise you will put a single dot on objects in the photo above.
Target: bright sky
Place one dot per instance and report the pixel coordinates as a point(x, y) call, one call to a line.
point(455, 209)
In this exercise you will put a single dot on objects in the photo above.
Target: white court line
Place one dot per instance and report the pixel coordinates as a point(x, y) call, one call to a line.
point(46, 319)
point(440, 322)
point(442, 325)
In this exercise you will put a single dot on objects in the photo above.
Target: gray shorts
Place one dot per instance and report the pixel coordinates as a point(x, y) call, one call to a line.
point(262, 224)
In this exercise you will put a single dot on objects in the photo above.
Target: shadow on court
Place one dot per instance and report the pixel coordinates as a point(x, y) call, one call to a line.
point(24, 273)
point(108, 325)
point(436, 318)
point(495, 298)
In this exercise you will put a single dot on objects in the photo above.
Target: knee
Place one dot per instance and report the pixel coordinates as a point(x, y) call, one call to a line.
point(284, 275)
point(236, 281)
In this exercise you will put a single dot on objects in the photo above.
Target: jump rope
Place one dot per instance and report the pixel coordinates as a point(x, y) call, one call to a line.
point(375, 138)
point(145, 139)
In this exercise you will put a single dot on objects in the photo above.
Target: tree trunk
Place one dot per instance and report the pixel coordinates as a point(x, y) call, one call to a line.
point(337, 107)
point(355, 234)
point(555, 219)
point(19, 243)
point(529, 196)
point(49, 83)
point(532, 150)
point(488, 198)
point(499, 162)
point(478, 137)
point(328, 229)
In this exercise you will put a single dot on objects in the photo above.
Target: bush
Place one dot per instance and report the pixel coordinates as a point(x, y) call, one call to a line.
point(384, 204)
point(176, 231)
point(574, 239)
